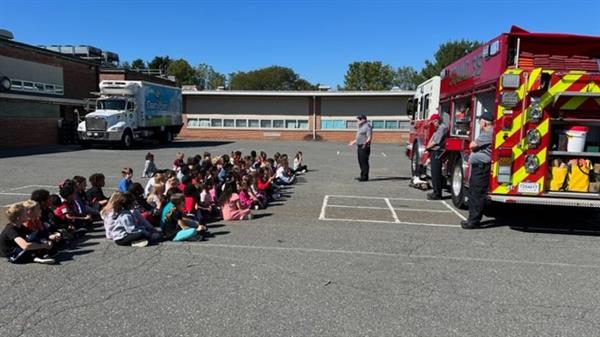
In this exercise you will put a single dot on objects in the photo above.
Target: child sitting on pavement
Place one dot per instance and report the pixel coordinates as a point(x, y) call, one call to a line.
point(94, 194)
point(125, 229)
point(13, 240)
point(173, 219)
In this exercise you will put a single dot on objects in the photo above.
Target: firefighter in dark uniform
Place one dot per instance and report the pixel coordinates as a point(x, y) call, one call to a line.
point(480, 161)
point(364, 136)
point(436, 147)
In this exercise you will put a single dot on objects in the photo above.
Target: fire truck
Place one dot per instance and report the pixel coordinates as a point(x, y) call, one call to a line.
point(544, 92)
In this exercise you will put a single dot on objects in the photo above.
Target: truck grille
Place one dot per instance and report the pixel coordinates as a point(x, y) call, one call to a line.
point(95, 124)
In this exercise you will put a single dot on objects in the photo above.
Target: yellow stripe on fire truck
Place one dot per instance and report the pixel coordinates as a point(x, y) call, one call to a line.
point(576, 102)
point(521, 174)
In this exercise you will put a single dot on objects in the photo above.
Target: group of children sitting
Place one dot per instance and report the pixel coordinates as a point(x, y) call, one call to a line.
point(175, 204)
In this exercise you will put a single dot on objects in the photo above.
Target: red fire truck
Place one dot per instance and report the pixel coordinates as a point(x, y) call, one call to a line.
point(544, 92)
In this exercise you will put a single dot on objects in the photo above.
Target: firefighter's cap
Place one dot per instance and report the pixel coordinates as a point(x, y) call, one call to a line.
point(487, 116)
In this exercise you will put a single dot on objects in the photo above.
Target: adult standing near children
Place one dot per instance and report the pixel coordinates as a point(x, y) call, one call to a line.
point(436, 148)
point(480, 159)
point(364, 135)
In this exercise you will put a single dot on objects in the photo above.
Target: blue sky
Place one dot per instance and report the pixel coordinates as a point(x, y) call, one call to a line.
point(318, 39)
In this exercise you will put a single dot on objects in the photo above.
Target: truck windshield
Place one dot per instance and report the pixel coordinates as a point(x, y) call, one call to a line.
point(111, 104)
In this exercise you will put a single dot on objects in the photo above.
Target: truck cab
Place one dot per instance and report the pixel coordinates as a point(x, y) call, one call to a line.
point(132, 110)
point(422, 106)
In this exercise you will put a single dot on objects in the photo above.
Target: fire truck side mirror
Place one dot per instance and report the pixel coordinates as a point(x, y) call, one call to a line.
point(411, 108)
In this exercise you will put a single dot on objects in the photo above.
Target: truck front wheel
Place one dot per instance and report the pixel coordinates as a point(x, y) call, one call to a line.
point(457, 186)
point(166, 137)
point(416, 169)
point(127, 139)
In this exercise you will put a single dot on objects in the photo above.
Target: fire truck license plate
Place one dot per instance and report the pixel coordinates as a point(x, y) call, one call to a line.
point(529, 188)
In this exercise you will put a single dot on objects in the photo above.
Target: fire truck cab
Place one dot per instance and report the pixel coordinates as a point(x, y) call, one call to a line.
point(424, 104)
point(544, 92)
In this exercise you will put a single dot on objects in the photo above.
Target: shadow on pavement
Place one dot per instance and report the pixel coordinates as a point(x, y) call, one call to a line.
point(551, 220)
point(390, 179)
point(30, 151)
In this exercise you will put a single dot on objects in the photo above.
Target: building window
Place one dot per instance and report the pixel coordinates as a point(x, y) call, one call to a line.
point(378, 124)
point(290, 124)
point(404, 125)
point(391, 124)
point(58, 89)
point(28, 86)
point(223, 121)
point(228, 123)
point(303, 124)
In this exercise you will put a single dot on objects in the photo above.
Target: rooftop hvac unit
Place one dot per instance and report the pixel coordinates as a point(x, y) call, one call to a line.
point(88, 51)
point(5, 34)
point(53, 47)
point(67, 49)
point(110, 57)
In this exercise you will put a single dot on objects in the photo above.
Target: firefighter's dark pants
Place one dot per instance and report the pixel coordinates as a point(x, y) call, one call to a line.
point(364, 151)
point(478, 188)
point(436, 172)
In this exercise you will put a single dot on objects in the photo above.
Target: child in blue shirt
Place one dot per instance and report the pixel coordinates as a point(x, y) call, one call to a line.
point(125, 182)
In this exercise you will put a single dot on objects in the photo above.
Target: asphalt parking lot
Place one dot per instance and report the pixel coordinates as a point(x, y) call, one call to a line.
point(336, 258)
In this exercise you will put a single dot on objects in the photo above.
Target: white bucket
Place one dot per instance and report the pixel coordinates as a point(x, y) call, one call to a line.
point(576, 136)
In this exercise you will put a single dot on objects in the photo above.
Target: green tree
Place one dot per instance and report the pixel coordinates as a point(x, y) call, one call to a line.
point(270, 78)
point(160, 62)
point(125, 65)
point(183, 72)
point(208, 78)
point(138, 64)
point(369, 76)
point(406, 78)
point(446, 54)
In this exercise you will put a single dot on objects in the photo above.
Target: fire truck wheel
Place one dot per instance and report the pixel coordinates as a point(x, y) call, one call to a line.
point(416, 169)
point(457, 186)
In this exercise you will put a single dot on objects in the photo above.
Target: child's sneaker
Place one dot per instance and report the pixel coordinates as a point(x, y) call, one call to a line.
point(140, 243)
point(249, 216)
point(256, 207)
point(44, 260)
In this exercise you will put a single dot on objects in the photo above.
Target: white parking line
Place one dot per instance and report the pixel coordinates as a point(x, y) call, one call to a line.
point(392, 222)
point(391, 208)
point(17, 188)
point(453, 210)
point(322, 215)
point(374, 197)
point(13, 193)
point(395, 208)
point(387, 201)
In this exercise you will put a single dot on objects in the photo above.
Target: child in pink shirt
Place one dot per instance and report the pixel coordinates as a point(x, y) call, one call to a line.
point(231, 206)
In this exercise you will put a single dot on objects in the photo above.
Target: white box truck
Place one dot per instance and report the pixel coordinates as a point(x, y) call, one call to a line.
point(132, 110)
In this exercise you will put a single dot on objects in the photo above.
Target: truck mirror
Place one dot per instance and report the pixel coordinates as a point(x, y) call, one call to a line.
point(410, 108)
